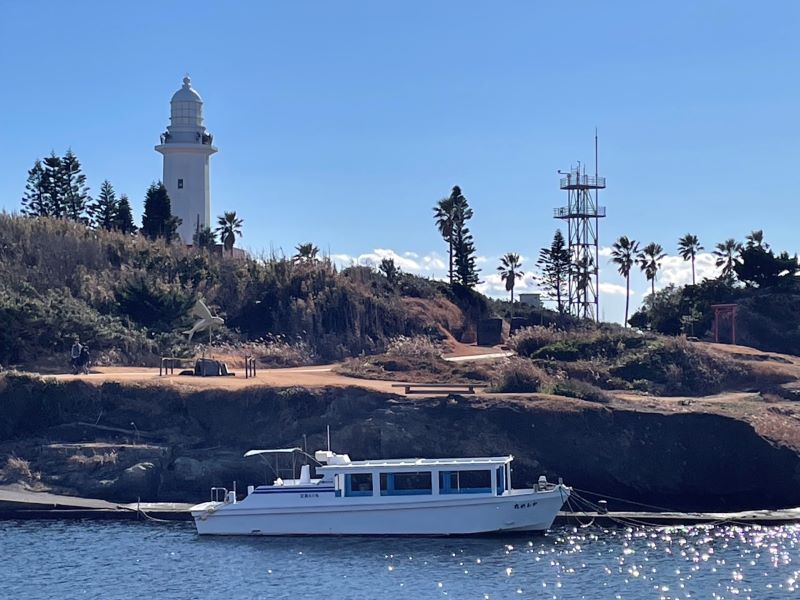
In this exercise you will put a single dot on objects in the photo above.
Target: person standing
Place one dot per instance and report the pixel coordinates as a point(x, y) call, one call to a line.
point(75, 353)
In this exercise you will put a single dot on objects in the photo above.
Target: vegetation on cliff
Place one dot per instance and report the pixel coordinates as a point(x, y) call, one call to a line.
point(613, 358)
point(127, 297)
point(763, 284)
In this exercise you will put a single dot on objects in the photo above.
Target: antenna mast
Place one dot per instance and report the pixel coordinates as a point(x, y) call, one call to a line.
point(582, 214)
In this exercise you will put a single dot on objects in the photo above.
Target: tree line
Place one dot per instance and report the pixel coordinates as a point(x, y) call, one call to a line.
point(752, 264)
point(56, 187)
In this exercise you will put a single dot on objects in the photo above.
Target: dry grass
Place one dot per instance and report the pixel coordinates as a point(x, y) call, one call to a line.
point(434, 312)
point(17, 470)
point(417, 346)
point(413, 359)
point(95, 459)
point(519, 375)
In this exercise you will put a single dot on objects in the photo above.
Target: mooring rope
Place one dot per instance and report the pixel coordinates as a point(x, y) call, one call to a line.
point(629, 521)
point(139, 510)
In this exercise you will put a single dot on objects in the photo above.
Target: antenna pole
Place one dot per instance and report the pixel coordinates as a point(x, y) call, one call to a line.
point(597, 236)
point(329, 438)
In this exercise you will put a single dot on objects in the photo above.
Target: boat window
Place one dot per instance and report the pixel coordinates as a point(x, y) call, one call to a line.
point(501, 480)
point(406, 483)
point(465, 482)
point(358, 484)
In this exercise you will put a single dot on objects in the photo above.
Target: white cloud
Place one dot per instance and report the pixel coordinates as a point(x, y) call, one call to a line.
point(604, 251)
point(410, 262)
point(675, 270)
point(613, 288)
point(493, 285)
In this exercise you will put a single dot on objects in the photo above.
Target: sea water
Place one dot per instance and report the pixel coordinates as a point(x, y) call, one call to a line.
point(111, 559)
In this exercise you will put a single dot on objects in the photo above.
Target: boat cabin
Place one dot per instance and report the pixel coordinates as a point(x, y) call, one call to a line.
point(417, 476)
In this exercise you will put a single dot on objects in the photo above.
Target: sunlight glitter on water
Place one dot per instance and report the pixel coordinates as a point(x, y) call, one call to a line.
point(87, 559)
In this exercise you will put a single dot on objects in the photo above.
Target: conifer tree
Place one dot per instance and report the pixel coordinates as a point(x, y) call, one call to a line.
point(205, 238)
point(157, 220)
point(75, 191)
point(53, 186)
point(466, 272)
point(34, 201)
point(555, 263)
point(104, 209)
point(123, 220)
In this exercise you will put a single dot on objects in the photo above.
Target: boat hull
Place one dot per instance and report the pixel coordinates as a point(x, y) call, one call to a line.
point(520, 510)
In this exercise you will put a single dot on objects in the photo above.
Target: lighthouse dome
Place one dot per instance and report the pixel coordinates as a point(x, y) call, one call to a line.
point(186, 107)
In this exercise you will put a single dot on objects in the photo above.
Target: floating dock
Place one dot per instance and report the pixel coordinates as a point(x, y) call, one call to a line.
point(23, 504)
point(659, 519)
point(16, 503)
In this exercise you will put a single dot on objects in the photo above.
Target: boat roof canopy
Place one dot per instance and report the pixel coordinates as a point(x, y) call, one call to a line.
point(272, 451)
point(415, 464)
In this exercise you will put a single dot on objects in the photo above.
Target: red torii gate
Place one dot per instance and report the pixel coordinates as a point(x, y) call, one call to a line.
point(724, 312)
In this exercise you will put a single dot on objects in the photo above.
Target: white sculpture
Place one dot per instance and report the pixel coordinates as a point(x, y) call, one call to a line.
point(206, 320)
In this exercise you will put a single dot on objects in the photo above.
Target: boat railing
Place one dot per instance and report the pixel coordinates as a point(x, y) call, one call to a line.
point(219, 494)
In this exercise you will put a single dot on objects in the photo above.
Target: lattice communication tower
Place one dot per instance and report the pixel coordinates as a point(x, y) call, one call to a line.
point(582, 214)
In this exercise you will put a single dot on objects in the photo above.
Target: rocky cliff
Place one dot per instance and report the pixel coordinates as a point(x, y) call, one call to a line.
point(123, 441)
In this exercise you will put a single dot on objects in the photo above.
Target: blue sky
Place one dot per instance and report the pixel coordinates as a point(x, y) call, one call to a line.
point(342, 123)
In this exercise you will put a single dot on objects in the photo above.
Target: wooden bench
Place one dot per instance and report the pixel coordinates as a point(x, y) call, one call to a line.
point(438, 388)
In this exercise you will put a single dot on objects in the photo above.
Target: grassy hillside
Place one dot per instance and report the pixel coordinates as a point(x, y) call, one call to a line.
point(128, 298)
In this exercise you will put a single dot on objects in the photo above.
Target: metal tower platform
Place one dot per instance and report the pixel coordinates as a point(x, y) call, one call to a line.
point(582, 214)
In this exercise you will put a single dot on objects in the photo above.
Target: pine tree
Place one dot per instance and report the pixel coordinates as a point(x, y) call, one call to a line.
point(34, 201)
point(75, 190)
point(53, 186)
point(123, 220)
point(555, 263)
point(466, 272)
point(104, 209)
point(157, 220)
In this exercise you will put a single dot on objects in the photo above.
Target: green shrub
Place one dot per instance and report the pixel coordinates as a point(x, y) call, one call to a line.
point(566, 350)
point(582, 390)
point(530, 339)
point(674, 366)
point(605, 341)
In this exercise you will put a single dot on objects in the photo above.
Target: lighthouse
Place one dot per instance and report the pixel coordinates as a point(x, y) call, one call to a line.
point(187, 146)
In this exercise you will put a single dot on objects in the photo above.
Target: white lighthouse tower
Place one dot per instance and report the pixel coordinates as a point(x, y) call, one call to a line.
point(186, 146)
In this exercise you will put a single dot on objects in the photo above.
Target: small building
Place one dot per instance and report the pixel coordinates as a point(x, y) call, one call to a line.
point(531, 299)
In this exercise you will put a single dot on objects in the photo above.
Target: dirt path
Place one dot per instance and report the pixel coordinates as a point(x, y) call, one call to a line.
point(312, 377)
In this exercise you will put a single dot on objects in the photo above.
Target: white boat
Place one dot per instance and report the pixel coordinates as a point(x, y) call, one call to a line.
point(415, 496)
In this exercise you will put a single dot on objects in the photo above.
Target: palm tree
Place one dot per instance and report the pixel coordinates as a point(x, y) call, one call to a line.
point(649, 259)
point(306, 253)
point(688, 247)
point(229, 226)
point(726, 257)
point(755, 239)
point(623, 254)
point(509, 268)
point(444, 215)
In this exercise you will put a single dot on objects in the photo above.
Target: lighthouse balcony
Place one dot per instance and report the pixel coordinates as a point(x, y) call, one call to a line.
point(187, 137)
